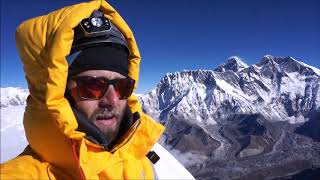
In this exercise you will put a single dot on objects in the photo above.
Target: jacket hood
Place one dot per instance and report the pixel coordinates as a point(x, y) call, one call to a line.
point(51, 128)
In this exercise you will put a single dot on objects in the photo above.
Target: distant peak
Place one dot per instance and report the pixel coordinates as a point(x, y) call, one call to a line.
point(277, 60)
point(268, 56)
point(267, 60)
point(236, 59)
point(287, 64)
point(234, 63)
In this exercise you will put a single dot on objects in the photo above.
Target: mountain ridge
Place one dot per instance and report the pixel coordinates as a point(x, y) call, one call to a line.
point(240, 113)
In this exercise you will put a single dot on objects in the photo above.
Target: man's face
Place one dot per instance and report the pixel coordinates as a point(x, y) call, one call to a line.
point(107, 112)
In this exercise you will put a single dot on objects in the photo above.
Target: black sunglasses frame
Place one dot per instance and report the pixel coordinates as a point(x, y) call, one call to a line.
point(108, 82)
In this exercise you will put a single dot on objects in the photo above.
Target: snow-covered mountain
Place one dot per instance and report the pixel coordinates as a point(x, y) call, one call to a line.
point(13, 140)
point(235, 114)
point(11, 96)
point(281, 89)
point(233, 63)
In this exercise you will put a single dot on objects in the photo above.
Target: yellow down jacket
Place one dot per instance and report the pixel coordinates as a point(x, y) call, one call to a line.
point(56, 149)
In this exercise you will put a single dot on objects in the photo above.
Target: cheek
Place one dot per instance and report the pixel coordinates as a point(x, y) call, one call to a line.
point(121, 107)
point(87, 107)
point(122, 104)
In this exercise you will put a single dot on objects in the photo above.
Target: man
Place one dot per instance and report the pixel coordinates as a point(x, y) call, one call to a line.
point(82, 120)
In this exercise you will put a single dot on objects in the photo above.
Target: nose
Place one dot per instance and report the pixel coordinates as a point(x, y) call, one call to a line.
point(110, 98)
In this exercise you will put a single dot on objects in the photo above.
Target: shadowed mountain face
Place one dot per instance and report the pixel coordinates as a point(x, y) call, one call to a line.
point(186, 138)
point(246, 120)
point(311, 128)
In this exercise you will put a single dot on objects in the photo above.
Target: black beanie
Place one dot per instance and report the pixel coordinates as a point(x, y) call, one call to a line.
point(98, 47)
point(112, 57)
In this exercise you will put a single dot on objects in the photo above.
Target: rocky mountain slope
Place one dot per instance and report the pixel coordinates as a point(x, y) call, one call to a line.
point(239, 120)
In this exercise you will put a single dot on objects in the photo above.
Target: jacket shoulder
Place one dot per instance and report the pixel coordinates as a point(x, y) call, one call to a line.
point(24, 167)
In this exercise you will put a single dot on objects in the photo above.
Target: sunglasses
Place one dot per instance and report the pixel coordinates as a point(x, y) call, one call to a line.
point(93, 88)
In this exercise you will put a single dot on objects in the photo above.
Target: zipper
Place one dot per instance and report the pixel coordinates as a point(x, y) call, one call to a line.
point(127, 136)
point(75, 153)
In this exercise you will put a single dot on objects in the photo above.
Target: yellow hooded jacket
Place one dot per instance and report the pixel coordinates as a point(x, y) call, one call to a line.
point(56, 149)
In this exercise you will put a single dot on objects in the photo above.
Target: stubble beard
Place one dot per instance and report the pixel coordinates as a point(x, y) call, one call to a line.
point(110, 133)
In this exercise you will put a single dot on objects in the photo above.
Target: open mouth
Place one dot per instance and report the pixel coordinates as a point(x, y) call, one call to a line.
point(105, 120)
point(104, 117)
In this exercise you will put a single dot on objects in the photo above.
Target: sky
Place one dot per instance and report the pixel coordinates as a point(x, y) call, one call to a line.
point(176, 35)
